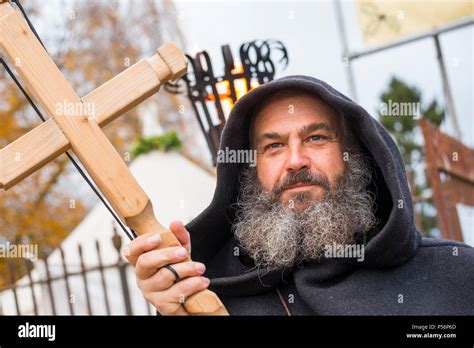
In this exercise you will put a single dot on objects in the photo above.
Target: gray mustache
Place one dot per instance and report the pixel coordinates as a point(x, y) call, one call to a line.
point(303, 176)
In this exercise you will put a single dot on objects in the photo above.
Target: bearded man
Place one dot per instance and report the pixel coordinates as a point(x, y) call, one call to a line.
point(322, 225)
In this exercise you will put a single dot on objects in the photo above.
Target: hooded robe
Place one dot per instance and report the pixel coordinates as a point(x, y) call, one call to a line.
point(402, 272)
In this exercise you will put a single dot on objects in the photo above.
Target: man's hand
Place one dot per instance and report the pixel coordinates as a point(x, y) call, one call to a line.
point(157, 283)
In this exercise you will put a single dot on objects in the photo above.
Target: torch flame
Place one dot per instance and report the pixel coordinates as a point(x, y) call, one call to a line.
point(223, 89)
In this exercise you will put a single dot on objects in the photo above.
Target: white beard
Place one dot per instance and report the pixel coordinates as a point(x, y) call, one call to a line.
point(275, 236)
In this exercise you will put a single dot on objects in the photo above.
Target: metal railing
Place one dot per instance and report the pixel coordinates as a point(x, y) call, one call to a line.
point(50, 286)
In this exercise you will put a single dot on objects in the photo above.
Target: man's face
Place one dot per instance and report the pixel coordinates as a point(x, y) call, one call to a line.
point(299, 149)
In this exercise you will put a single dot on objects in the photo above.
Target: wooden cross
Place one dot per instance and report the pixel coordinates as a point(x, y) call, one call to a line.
point(82, 132)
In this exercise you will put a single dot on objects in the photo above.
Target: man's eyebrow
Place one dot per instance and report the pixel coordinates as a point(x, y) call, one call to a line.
point(269, 136)
point(315, 126)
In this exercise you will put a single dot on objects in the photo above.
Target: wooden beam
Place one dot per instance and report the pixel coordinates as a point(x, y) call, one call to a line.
point(30, 152)
point(33, 150)
point(449, 156)
point(137, 83)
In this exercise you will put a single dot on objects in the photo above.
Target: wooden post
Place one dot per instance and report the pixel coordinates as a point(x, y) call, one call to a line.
point(49, 88)
point(455, 160)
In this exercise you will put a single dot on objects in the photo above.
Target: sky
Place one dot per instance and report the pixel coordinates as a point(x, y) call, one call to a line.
point(310, 32)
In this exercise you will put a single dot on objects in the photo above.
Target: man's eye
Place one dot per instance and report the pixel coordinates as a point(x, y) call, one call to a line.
point(273, 146)
point(318, 138)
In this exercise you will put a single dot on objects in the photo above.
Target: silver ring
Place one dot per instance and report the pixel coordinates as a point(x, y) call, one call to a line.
point(172, 270)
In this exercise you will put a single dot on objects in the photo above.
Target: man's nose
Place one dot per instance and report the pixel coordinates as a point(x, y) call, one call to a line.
point(297, 159)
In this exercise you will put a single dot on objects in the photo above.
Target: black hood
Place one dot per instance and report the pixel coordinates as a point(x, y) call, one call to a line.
point(391, 243)
point(396, 238)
